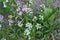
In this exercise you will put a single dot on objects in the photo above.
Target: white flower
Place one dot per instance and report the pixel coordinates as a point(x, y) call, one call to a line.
point(29, 4)
point(20, 24)
point(42, 5)
point(4, 5)
point(41, 10)
point(26, 32)
point(38, 25)
point(10, 21)
point(7, 1)
point(35, 18)
point(30, 11)
point(29, 26)
point(25, 9)
point(20, 13)
point(41, 17)
point(3, 39)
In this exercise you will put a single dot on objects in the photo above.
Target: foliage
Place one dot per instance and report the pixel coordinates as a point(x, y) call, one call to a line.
point(18, 22)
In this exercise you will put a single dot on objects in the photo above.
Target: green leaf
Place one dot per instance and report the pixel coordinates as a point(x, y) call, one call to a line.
point(49, 12)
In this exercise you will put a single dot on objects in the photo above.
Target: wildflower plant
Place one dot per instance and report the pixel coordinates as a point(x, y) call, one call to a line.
point(18, 22)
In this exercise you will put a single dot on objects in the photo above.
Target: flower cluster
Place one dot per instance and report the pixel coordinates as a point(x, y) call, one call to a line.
point(38, 26)
point(18, 22)
point(22, 18)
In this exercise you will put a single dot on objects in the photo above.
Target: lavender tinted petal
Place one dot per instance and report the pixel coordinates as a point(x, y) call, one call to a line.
point(1, 17)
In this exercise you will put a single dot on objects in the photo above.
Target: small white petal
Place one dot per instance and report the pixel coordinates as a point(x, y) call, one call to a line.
point(38, 26)
point(29, 26)
point(41, 17)
point(35, 18)
point(4, 5)
point(10, 21)
point(20, 13)
point(26, 32)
